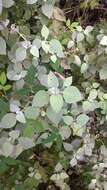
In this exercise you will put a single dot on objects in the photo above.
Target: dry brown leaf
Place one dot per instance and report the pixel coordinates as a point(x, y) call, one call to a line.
point(57, 26)
point(59, 14)
point(65, 64)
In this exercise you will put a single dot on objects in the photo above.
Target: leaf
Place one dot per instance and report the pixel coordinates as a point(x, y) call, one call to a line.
point(93, 94)
point(53, 58)
point(82, 119)
point(53, 116)
point(37, 42)
point(65, 132)
point(56, 48)
point(71, 94)
point(20, 54)
point(5, 106)
point(84, 67)
point(39, 126)
point(7, 87)
point(26, 142)
point(68, 147)
point(103, 41)
point(3, 168)
point(103, 73)
point(50, 138)
point(73, 162)
point(40, 99)
point(87, 30)
point(47, 10)
point(20, 117)
point(2, 46)
point(67, 82)
point(105, 185)
point(45, 32)
point(78, 130)
point(3, 78)
point(59, 14)
point(30, 2)
point(77, 60)
point(70, 44)
point(30, 77)
point(1, 6)
point(56, 102)
point(52, 80)
point(8, 121)
point(45, 46)
point(29, 129)
point(14, 134)
point(80, 37)
point(90, 106)
point(32, 112)
point(34, 51)
point(7, 149)
point(68, 120)
point(8, 3)
point(21, 187)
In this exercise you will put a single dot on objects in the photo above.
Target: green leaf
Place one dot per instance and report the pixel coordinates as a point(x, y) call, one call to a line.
point(8, 121)
point(45, 32)
point(8, 3)
point(14, 134)
point(7, 87)
point(67, 81)
point(20, 117)
point(74, 24)
point(30, 2)
point(47, 10)
point(40, 99)
point(56, 48)
point(34, 51)
point(3, 78)
point(30, 77)
point(39, 126)
point(21, 187)
point(84, 67)
point(103, 41)
point(71, 94)
point(7, 149)
point(80, 37)
point(3, 168)
point(26, 142)
point(32, 112)
point(52, 80)
point(56, 102)
point(93, 94)
point(29, 130)
point(53, 58)
point(90, 106)
point(78, 130)
point(50, 138)
point(1, 7)
point(68, 119)
point(82, 119)
point(2, 46)
point(23, 92)
point(20, 54)
point(53, 116)
point(33, 126)
point(5, 107)
point(103, 73)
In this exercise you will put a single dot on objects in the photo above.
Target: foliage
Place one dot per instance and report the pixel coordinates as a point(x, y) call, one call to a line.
point(53, 98)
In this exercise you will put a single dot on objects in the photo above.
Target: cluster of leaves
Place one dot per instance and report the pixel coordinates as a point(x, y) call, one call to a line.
point(53, 97)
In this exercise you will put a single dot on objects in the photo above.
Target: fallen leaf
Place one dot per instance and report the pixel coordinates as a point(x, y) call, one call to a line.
point(59, 14)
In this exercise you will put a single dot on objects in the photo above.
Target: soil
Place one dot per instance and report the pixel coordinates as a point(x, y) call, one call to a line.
point(84, 16)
